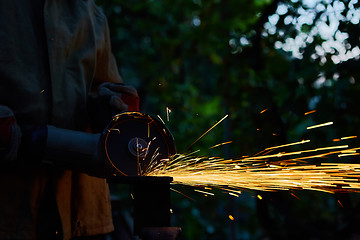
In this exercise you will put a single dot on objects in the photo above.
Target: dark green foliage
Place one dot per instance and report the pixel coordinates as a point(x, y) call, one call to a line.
point(206, 59)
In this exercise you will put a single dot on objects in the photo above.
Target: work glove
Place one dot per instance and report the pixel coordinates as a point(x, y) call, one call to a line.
point(10, 135)
point(111, 99)
point(122, 98)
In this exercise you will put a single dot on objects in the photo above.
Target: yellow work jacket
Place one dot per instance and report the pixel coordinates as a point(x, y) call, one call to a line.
point(46, 74)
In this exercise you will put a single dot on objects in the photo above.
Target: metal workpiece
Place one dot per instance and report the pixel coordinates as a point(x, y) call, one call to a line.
point(152, 204)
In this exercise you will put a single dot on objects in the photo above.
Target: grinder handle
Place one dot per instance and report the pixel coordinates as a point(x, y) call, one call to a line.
point(72, 149)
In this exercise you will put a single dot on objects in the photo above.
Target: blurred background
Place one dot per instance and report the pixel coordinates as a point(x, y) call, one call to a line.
point(265, 63)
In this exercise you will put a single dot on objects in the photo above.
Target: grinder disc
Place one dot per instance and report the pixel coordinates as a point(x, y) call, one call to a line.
point(135, 142)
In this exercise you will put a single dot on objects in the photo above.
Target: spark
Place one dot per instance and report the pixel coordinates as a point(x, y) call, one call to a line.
point(168, 111)
point(292, 194)
point(255, 173)
point(115, 129)
point(263, 111)
point(265, 171)
point(289, 144)
point(206, 193)
point(348, 154)
point(349, 137)
point(231, 217)
point(208, 131)
point(161, 119)
point(233, 194)
point(307, 113)
point(42, 91)
point(220, 144)
point(333, 147)
point(172, 189)
point(259, 197)
point(320, 125)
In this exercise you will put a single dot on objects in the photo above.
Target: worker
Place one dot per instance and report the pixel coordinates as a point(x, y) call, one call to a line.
point(54, 55)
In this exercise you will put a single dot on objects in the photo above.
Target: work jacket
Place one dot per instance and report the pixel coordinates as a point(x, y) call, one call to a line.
point(46, 75)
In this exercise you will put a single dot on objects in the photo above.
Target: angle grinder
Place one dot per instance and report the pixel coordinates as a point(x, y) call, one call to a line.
point(131, 145)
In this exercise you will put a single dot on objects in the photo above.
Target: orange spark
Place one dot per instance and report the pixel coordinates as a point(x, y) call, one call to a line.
point(307, 113)
point(292, 194)
point(340, 203)
point(220, 144)
point(208, 130)
point(263, 111)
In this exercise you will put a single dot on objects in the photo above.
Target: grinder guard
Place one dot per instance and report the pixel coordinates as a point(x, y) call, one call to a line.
point(135, 142)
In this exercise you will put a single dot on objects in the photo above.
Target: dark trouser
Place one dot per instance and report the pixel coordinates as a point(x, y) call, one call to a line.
point(48, 222)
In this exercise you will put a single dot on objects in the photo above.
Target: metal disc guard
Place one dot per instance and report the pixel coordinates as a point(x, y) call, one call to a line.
point(136, 142)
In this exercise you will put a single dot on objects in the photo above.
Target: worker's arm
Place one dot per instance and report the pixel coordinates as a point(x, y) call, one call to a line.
point(109, 95)
point(47, 144)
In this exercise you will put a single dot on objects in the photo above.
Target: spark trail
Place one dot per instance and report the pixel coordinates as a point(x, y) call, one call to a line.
point(270, 172)
point(266, 170)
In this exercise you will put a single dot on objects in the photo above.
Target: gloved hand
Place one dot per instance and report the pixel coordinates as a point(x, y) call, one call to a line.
point(111, 99)
point(10, 135)
point(122, 98)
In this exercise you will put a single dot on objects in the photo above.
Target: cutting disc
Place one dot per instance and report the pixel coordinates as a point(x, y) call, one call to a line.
point(136, 142)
